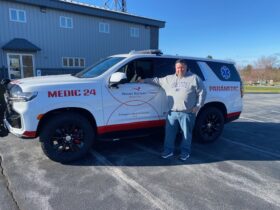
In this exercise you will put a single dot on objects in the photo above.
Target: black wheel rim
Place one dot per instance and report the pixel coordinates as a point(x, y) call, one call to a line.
point(212, 126)
point(68, 138)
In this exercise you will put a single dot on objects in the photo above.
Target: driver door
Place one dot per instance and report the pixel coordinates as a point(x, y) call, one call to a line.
point(133, 105)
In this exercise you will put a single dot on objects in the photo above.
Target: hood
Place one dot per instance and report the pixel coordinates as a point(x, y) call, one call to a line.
point(47, 81)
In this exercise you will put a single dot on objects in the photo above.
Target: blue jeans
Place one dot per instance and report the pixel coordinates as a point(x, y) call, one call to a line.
point(186, 123)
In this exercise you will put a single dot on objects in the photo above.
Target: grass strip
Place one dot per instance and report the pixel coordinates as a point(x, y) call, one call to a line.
point(261, 89)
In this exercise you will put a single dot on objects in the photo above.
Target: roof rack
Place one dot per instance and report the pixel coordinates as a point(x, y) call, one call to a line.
point(150, 51)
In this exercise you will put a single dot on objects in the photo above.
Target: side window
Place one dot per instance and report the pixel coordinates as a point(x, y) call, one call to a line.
point(194, 68)
point(224, 71)
point(138, 69)
point(164, 67)
point(144, 68)
point(129, 70)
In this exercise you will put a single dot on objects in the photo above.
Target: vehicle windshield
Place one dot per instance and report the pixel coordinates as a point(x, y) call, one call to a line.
point(99, 68)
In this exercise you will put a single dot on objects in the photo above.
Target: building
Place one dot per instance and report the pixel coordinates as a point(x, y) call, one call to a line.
point(44, 37)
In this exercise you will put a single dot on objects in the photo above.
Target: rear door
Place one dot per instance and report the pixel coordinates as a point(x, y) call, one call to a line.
point(164, 67)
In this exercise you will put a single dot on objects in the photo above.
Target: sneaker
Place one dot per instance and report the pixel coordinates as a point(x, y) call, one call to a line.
point(184, 157)
point(167, 154)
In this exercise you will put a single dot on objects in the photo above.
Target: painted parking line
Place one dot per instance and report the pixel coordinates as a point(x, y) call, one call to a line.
point(262, 190)
point(271, 119)
point(261, 121)
point(251, 119)
point(123, 178)
point(267, 192)
point(255, 148)
point(251, 147)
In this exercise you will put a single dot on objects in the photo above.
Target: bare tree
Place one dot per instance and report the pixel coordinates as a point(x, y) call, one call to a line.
point(268, 62)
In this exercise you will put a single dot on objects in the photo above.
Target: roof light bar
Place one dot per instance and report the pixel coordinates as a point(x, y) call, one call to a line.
point(150, 51)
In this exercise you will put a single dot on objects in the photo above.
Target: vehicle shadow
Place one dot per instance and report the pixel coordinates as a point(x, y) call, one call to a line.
point(3, 131)
point(248, 141)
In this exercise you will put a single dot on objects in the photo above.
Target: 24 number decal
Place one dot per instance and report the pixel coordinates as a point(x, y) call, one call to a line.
point(88, 92)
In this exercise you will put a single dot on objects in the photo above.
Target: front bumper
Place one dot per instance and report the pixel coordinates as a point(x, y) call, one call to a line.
point(13, 118)
point(13, 121)
point(19, 132)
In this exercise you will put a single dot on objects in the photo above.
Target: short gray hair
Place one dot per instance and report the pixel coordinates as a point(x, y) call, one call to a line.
point(181, 61)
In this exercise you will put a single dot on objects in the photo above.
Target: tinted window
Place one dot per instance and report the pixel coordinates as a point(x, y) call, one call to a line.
point(224, 71)
point(164, 67)
point(194, 68)
point(138, 69)
point(144, 68)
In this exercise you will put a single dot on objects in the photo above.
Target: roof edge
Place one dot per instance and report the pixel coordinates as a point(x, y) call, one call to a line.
point(76, 7)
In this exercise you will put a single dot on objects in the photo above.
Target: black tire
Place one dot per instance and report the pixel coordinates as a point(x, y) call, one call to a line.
point(209, 125)
point(66, 137)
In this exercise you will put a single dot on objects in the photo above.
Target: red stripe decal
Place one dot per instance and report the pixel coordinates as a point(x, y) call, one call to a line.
point(30, 134)
point(233, 114)
point(130, 126)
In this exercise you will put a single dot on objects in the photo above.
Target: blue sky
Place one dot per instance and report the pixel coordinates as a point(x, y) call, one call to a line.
point(240, 30)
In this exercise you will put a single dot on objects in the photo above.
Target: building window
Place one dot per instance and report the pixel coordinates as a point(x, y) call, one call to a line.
point(82, 62)
point(134, 32)
point(64, 62)
point(104, 27)
point(66, 22)
point(17, 15)
point(70, 62)
point(73, 62)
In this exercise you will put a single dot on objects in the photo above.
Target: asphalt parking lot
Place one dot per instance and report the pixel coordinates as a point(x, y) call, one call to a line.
point(239, 171)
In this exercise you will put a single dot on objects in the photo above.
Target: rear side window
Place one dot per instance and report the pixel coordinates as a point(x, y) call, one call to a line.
point(224, 71)
point(164, 67)
point(194, 68)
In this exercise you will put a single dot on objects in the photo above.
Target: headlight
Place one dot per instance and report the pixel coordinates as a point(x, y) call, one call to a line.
point(16, 94)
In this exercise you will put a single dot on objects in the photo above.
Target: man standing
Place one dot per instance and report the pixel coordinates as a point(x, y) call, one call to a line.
point(186, 94)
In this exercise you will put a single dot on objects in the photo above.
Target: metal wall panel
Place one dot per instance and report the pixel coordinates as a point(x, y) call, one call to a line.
point(76, 7)
point(42, 28)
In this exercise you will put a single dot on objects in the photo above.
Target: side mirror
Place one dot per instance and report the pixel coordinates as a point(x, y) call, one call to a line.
point(117, 78)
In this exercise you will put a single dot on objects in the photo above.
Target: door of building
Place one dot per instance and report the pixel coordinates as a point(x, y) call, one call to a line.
point(20, 65)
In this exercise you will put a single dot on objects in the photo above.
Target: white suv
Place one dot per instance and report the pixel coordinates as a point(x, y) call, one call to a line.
point(104, 101)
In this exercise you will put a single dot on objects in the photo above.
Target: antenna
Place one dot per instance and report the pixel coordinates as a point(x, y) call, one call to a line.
point(117, 5)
